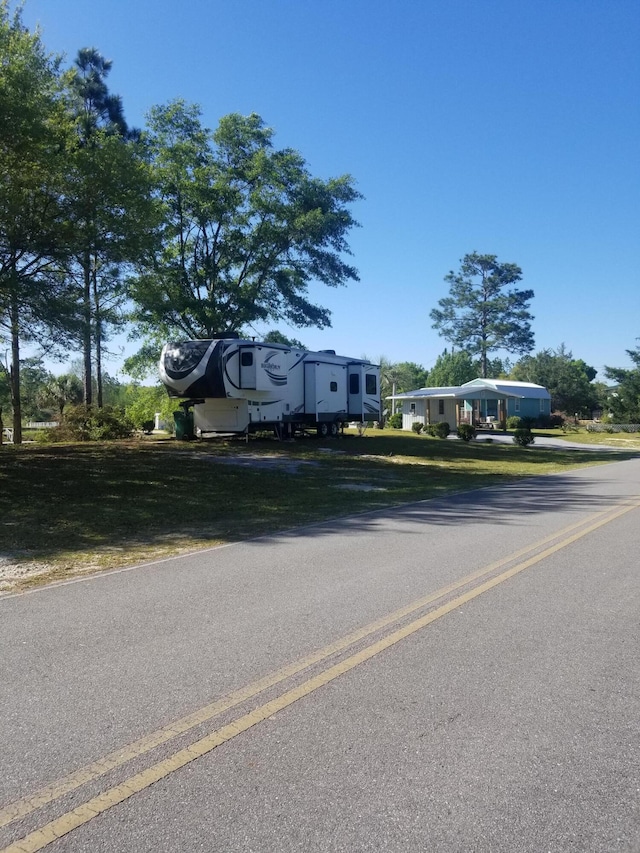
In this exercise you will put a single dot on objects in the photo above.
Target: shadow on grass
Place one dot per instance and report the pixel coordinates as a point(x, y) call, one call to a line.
point(76, 498)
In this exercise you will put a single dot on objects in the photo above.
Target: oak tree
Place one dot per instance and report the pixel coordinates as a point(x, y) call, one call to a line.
point(246, 229)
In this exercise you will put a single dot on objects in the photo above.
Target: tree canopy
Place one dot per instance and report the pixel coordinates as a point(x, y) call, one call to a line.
point(399, 377)
point(484, 312)
point(246, 229)
point(624, 399)
point(568, 380)
point(452, 368)
point(275, 336)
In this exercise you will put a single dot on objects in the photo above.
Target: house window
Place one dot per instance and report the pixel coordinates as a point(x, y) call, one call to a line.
point(516, 405)
point(333, 386)
point(543, 405)
point(441, 407)
point(371, 386)
point(412, 408)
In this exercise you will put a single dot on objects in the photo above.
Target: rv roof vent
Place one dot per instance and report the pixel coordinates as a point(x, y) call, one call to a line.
point(328, 351)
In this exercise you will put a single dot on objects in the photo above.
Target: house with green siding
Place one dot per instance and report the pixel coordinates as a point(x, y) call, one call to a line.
point(484, 403)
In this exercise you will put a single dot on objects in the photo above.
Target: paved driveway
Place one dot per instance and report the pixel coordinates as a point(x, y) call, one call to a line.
point(544, 441)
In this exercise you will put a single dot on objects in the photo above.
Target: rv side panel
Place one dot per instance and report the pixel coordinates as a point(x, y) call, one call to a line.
point(364, 387)
point(325, 390)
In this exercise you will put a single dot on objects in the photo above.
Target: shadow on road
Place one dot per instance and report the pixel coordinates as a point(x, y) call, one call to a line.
point(503, 504)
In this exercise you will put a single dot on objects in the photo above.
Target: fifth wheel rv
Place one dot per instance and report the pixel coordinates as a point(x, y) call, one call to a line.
point(238, 385)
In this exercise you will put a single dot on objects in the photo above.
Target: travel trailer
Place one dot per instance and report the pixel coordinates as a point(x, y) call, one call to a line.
point(240, 386)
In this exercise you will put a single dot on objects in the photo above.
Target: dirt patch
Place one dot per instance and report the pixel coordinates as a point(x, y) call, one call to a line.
point(12, 571)
point(265, 463)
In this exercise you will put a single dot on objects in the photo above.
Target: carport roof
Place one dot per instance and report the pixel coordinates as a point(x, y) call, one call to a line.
point(478, 389)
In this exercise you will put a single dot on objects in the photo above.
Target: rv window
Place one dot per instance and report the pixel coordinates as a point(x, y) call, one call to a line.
point(246, 358)
point(370, 384)
point(333, 386)
point(354, 383)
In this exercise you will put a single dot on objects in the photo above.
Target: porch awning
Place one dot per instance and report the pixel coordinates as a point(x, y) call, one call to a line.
point(456, 394)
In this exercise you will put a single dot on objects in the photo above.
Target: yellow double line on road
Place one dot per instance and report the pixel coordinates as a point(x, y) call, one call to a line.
point(69, 821)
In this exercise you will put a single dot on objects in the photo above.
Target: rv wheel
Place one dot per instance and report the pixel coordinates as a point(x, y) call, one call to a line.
point(323, 429)
point(335, 429)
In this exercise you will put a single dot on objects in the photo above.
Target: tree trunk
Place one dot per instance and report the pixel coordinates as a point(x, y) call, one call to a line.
point(86, 333)
point(14, 372)
point(98, 334)
point(99, 373)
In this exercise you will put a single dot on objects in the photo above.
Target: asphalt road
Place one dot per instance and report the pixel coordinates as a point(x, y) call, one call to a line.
point(454, 675)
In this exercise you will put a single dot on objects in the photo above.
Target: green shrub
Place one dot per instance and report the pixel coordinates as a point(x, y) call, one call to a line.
point(437, 430)
point(556, 420)
point(523, 437)
point(142, 403)
point(441, 430)
point(528, 422)
point(44, 436)
point(395, 421)
point(466, 432)
point(417, 427)
point(148, 427)
point(514, 422)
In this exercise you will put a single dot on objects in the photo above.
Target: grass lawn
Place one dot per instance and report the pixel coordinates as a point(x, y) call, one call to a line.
point(72, 508)
point(622, 440)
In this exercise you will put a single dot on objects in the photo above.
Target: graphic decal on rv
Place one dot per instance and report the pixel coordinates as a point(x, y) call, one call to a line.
point(229, 356)
point(266, 403)
point(273, 370)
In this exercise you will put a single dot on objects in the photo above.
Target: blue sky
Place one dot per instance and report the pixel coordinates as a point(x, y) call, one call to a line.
point(507, 127)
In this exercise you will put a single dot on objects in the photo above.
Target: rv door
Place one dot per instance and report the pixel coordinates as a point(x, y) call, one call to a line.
point(248, 368)
point(355, 392)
